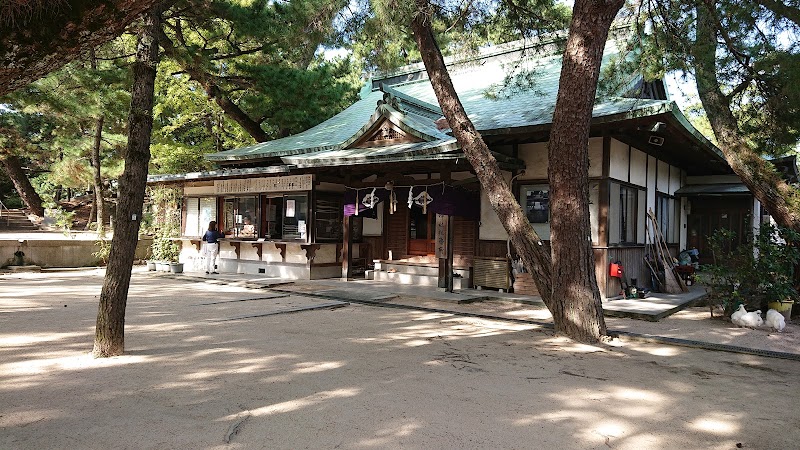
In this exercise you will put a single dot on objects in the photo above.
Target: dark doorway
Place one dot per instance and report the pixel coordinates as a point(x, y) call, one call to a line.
point(710, 214)
point(421, 232)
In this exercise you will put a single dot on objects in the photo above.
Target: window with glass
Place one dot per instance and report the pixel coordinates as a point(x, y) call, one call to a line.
point(536, 202)
point(667, 216)
point(626, 216)
point(328, 218)
point(242, 217)
point(295, 217)
point(199, 212)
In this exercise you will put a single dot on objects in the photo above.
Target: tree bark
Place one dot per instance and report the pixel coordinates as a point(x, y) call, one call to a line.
point(781, 200)
point(110, 331)
point(35, 43)
point(534, 253)
point(27, 193)
point(578, 312)
point(97, 179)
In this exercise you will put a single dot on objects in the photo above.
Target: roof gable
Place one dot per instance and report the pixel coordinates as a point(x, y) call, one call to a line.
point(393, 122)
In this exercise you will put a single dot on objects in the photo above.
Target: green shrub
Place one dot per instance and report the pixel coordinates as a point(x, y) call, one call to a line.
point(758, 271)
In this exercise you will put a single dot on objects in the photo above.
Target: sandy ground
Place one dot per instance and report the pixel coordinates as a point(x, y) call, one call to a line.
point(197, 375)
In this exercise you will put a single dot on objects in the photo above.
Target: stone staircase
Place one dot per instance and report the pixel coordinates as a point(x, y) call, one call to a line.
point(15, 220)
point(417, 274)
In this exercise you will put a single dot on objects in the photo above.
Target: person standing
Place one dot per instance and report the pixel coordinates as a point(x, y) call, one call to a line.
point(211, 246)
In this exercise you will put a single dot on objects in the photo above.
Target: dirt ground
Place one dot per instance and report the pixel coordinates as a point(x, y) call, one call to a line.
point(201, 372)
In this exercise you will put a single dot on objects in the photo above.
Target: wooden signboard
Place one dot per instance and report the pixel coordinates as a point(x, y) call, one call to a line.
point(264, 184)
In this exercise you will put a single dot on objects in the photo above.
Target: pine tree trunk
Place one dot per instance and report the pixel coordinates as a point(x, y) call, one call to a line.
point(27, 193)
point(110, 331)
point(97, 178)
point(534, 253)
point(578, 311)
point(781, 200)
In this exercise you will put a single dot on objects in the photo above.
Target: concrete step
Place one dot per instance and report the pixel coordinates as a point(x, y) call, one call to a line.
point(419, 269)
point(15, 220)
point(417, 280)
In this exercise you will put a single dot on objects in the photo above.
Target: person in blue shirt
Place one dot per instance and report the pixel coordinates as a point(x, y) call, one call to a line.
point(211, 246)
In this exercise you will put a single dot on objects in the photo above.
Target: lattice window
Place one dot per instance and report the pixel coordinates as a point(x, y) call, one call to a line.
point(385, 133)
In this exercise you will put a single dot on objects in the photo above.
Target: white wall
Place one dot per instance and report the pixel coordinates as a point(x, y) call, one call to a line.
point(535, 157)
point(638, 167)
point(618, 168)
point(594, 210)
point(490, 226)
point(662, 177)
point(652, 169)
point(374, 227)
point(199, 190)
point(596, 157)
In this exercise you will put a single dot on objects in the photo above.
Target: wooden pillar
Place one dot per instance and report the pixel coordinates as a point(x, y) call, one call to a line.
point(444, 250)
point(347, 247)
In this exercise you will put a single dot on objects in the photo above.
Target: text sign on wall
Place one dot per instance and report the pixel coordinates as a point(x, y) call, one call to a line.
point(441, 235)
point(269, 184)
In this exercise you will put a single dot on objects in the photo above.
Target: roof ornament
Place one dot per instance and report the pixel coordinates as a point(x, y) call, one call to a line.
point(392, 101)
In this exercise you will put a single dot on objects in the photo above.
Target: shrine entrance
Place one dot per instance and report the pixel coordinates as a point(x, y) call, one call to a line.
point(421, 232)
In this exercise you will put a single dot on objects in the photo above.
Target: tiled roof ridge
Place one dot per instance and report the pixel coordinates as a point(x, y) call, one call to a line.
point(501, 49)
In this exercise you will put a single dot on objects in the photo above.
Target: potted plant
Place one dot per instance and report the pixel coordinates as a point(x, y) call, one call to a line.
point(164, 251)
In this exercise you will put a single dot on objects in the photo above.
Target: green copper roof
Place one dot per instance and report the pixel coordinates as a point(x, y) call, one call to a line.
point(500, 112)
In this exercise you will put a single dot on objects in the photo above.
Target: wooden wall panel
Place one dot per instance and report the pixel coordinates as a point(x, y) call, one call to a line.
point(376, 249)
point(465, 235)
point(491, 249)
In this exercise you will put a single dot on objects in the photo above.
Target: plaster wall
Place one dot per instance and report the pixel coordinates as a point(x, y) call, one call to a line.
point(60, 252)
point(652, 169)
point(662, 177)
point(594, 210)
point(535, 157)
point(638, 167)
point(620, 161)
point(199, 190)
point(326, 254)
point(596, 157)
point(490, 226)
point(675, 176)
point(374, 227)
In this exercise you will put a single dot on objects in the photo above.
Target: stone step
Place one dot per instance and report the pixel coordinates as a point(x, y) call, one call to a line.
point(417, 280)
point(15, 220)
point(419, 269)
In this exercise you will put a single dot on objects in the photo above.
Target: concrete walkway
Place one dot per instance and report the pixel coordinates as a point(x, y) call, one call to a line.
point(653, 308)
